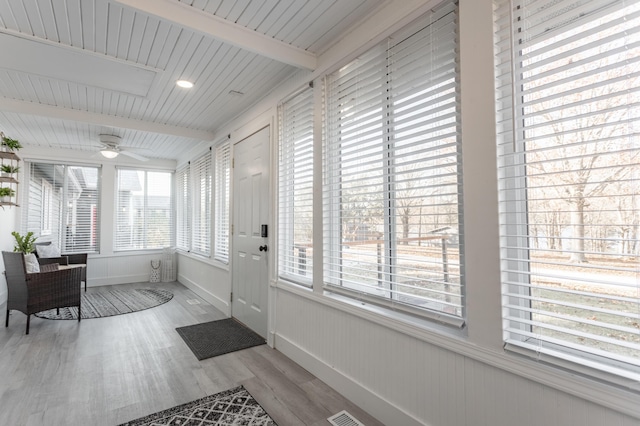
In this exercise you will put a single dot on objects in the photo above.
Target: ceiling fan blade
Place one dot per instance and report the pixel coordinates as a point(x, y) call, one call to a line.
point(134, 155)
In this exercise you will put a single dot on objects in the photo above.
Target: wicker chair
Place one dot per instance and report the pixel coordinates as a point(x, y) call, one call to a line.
point(66, 259)
point(32, 293)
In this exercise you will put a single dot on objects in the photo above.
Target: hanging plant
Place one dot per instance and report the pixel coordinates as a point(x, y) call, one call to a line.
point(6, 194)
point(10, 144)
point(9, 169)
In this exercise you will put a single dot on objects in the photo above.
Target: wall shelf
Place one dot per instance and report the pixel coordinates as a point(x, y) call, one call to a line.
point(9, 180)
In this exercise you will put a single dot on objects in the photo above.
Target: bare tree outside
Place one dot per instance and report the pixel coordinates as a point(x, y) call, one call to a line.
point(573, 140)
point(574, 182)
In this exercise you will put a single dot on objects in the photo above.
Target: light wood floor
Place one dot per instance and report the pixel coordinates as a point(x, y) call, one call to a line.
point(110, 370)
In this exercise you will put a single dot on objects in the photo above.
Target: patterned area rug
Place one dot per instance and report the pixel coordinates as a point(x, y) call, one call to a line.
point(233, 407)
point(100, 304)
point(215, 338)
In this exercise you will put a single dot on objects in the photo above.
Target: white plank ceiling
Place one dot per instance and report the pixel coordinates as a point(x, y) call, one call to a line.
point(74, 69)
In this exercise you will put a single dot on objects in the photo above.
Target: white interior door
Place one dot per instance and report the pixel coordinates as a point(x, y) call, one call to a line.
point(251, 211)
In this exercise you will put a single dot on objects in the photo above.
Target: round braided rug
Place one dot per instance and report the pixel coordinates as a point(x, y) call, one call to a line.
point(108, 303)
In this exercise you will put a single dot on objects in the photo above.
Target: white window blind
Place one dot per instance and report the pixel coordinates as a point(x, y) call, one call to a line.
point(201, 239)
point(295, 200)
point(183, 208)
point(63, 206)
point(143, 210)
point(223, 179)
point(568, 74)
point(392, 172)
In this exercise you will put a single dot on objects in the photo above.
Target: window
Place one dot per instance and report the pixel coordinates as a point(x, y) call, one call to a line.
point(223, 178)
point(183, 208)
point(392, 173)
point(201, 237)
point(569, 179)
point(295, 200)
point(63, 205)
point(143, 210)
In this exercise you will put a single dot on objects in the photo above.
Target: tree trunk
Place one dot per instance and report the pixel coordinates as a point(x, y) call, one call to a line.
point(404, 217)
point(577, 242)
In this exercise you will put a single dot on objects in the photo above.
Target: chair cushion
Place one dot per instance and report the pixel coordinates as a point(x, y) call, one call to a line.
point(50, 250)
point(31, 263)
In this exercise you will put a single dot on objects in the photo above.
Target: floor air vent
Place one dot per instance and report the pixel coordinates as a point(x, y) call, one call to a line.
point(344, 419)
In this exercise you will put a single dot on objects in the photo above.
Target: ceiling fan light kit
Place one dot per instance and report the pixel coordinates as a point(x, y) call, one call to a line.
point(111, 148)
point(109, 153)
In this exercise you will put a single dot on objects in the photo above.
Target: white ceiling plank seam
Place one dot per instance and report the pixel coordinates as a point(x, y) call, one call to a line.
point(32, 108)
point(221, 29)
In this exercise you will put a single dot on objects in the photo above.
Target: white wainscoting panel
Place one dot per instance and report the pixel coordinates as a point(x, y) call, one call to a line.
point(211, 283)
point(8, 216)
point(402, 380)
point(119, 268)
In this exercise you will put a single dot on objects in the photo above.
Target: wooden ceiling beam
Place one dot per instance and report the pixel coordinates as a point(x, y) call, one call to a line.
point(229, 32)
point(31, 108)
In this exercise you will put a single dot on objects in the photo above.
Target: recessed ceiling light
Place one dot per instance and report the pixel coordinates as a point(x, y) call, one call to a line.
point(184, 83)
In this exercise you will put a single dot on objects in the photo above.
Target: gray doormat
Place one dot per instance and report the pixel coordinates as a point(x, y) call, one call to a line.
point(219, 337)
point(233, 407)
point(107, 303)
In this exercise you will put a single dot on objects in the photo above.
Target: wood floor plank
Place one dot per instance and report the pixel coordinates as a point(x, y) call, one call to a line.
point(279, 411)
point(108, 371)
point(291, 370)
point(335, 403)
point(283, 388)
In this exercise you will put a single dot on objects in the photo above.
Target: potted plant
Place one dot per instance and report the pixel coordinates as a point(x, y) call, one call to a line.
point(24, 243)
point(8, 169)
point(10, 144)
point(6, 194)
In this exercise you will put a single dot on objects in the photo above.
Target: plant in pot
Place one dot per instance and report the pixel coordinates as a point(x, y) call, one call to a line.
point(24, 243)
point(6, 194)
point(10, 144)
point(8, 169)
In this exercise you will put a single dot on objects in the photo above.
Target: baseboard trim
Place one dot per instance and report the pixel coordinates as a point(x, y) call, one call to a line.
point(121, 279)
point(217, 302)
point(370, 402)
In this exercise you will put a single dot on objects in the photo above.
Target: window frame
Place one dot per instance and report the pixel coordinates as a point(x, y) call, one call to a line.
point(202, 176)
point(519, 291)
point(145, 196)
point(332, 177)
point(54, 214)
point(183, 207)
point(295, 136)
point(222, 198)
point(47, 211)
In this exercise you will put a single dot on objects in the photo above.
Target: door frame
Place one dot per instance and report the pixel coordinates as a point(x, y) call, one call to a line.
point(267, 119)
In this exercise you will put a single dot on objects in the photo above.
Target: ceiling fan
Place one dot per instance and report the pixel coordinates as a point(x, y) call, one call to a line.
point(111, 148)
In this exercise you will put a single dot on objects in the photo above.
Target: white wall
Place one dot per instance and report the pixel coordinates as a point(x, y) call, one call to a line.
point(209, 280)
point(405, 371)
point(7, 225)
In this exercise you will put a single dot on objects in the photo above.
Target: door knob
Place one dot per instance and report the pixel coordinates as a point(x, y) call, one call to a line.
point(263, 248)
